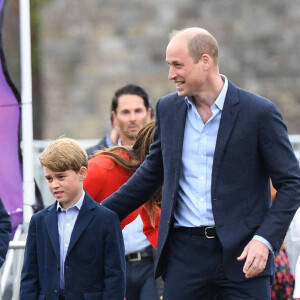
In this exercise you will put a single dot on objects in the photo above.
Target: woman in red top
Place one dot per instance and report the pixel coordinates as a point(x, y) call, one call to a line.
point(110, 168)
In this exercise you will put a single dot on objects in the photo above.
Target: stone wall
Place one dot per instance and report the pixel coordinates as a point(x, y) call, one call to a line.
point(90, 48)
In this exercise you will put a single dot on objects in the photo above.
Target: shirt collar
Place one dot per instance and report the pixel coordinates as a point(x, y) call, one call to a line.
point(108, 141)
point(220, 99)
point(77, 205)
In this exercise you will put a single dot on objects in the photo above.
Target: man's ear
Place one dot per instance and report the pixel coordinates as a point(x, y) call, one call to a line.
point(206, 61)
point(149, 112)
point(115, 120)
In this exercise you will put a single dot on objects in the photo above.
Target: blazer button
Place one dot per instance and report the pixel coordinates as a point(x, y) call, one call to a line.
point(57, 268)
point(55, 292)
point(67, 267)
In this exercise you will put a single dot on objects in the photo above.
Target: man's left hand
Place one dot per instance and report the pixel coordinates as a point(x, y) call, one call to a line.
point(256, 254)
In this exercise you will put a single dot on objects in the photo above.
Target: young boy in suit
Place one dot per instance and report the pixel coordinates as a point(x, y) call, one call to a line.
point(74, 247)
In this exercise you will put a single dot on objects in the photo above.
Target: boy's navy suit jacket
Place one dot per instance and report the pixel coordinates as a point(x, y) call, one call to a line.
point(252, 146)
point(95, 261)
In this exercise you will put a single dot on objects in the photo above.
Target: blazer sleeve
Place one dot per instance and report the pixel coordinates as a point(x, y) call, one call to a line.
point(114, 260)
point(131, 217)
point(283, 167)
point(29, 289)
point(5, 232)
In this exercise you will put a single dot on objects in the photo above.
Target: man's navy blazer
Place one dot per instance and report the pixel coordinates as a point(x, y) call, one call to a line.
point(95, 261)
point(252, 147)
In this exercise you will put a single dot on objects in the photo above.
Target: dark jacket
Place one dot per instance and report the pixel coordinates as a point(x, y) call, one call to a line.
point(94, 264)
point(252, 146)
point(102, 144)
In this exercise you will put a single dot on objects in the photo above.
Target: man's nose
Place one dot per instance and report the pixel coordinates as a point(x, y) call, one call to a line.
point(172, 74)
point(132, 116)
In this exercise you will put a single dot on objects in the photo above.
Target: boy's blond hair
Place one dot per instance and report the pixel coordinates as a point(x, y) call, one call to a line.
point(64, 154)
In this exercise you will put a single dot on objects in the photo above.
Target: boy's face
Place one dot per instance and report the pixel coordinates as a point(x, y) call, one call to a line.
point(67, 186)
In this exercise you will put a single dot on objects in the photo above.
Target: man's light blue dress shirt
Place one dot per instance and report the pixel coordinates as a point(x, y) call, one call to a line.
point(194, 207)
point(194, 203)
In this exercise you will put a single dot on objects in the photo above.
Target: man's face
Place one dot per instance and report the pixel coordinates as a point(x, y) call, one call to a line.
point(187, 75)
point(130, 116)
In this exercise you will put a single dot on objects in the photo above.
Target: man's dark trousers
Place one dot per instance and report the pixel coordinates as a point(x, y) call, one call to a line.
point(140, 282)
point(195, 268)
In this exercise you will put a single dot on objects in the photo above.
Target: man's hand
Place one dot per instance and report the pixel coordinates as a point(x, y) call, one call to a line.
point(256, 254)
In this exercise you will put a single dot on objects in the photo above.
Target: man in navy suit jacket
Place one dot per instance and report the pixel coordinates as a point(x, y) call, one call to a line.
point(215, 149)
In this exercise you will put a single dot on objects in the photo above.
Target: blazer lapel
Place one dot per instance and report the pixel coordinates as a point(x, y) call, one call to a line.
point(228, 119)
point(179, 113)
point(83, 219)
point(52, 227)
